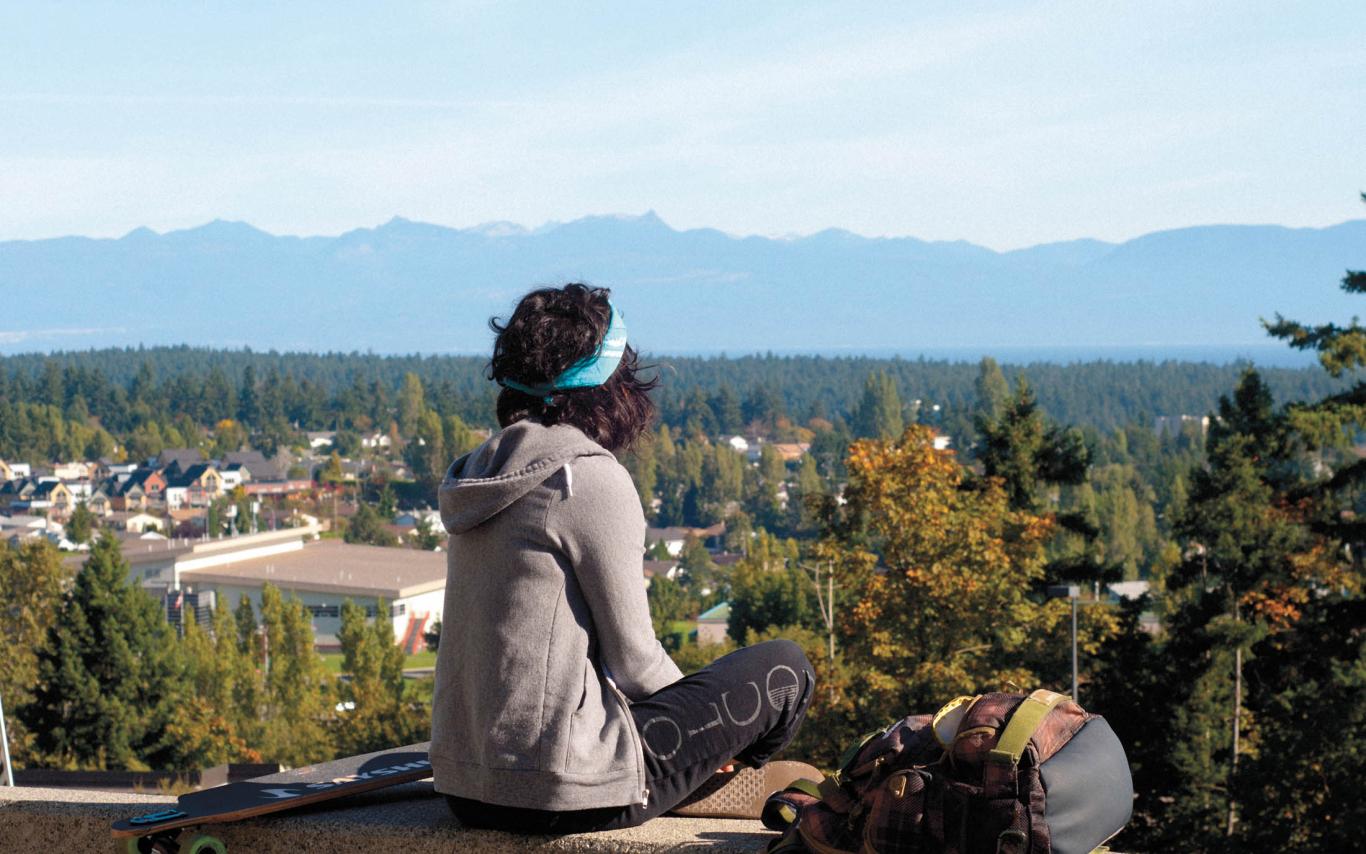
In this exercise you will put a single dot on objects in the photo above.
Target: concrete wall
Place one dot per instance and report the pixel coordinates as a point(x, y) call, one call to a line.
point(411, 819)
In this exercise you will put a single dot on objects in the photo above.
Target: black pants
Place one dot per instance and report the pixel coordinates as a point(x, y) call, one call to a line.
point(745, 706)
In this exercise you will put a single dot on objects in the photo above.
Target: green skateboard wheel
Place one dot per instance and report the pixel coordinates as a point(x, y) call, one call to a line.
point(202, 843)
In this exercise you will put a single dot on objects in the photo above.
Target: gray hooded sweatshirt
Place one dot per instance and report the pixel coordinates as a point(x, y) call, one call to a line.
point(546, 634)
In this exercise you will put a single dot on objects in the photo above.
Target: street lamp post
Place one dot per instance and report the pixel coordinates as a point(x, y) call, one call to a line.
point(1069, 591)
point(4, 747)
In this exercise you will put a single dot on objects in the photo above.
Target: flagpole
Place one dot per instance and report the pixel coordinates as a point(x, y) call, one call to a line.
point(4, 747)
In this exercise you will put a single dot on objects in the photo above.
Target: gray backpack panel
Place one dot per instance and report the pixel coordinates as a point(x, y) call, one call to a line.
point(1090, 792)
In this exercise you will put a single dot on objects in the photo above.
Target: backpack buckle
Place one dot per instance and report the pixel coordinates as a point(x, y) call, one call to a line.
point(1013, 837)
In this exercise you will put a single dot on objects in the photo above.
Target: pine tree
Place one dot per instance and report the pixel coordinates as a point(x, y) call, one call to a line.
point(109, 675)
point(993, 392)
point(411, 404)
point(879, 411)
point(81, 525)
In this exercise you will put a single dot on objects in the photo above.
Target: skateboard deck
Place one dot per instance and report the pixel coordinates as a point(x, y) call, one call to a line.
point(326, 781)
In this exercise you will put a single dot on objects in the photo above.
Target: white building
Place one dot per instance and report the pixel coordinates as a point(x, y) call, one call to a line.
point(739, 444)
point(411, 583)
point(71, 471)
point(376, 440)
point(321, 439)
point(1174, 424)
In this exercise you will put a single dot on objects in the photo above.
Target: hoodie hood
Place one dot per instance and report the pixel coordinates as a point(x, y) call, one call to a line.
point(513, 461)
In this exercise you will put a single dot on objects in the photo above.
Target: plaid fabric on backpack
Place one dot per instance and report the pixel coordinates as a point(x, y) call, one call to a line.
point(994, 774)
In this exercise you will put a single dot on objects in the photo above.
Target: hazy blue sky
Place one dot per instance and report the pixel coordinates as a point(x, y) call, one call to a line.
point(1001, 123)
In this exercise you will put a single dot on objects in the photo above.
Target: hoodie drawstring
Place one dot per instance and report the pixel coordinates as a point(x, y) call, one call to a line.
point(568, 481)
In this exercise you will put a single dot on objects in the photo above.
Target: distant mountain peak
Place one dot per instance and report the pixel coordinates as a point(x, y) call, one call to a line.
point(222, 229)
point(499, 228)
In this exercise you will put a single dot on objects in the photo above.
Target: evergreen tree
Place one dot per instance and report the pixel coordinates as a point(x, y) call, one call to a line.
point(879, 411)
point(109, 676)
point(81, 525)
point(367, 527)
point(1021, 448)
point(993, 392)
point(725, 405)
point(411, 404)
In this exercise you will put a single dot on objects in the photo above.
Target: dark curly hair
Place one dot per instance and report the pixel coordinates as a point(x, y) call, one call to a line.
point(550, 330)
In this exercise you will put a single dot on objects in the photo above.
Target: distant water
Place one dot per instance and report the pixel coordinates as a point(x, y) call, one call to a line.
point(1264, 355)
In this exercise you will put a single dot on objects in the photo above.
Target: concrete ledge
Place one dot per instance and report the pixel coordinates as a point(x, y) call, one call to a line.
point(408, 818)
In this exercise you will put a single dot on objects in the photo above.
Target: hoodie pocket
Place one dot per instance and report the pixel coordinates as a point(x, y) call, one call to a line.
point(583, 697)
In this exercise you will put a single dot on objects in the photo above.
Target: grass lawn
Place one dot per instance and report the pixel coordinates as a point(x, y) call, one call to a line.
point(333, 661)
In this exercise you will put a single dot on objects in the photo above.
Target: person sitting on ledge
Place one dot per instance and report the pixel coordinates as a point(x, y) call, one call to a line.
point(555, 708)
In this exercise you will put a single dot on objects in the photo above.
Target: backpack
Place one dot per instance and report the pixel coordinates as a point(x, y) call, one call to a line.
point(997, 773)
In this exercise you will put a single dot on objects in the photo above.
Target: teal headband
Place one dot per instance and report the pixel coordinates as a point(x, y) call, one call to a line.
point(593, 370)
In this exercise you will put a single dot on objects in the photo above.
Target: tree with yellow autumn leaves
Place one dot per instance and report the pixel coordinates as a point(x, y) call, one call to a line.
point(953, 605)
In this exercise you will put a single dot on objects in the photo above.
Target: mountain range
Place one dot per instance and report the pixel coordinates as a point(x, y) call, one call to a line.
point(409, 286)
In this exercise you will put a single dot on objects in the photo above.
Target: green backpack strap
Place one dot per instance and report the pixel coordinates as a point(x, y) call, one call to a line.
point(1022, 725)
point(780, 812)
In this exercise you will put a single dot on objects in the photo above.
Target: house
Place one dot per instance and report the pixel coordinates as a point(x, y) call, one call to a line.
point(72, 471)
point(145, 484)
point(100, 502)
point(106, 469)
point(24, 522)
point(791, 452)
point(674, 538)
point(234, 475)
point(17, 492)
point(19, 536)
point(54, 497)
point(321, 439)
point(660, 568)
point(134, 522)
point(711, 624)
point(279, 488)
point(6, 472)
point(181, 458)
point(739, 444)
point(376, 441)
point(188, 521)
point(256, 465)
point(196, 486)
point(1121, 590)
point(413, 518)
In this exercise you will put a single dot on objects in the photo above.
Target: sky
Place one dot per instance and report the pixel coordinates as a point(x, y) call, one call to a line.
point(1005, 124)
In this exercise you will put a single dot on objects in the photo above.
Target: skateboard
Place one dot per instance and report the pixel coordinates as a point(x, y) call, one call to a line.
point(164, 831)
